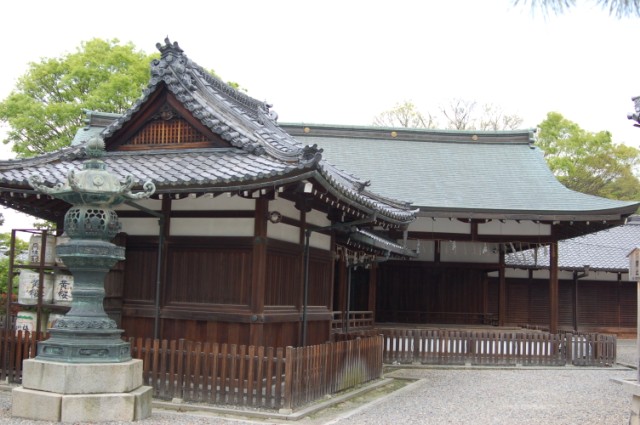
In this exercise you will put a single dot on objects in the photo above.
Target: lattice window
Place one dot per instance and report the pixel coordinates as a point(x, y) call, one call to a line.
point(170, 132)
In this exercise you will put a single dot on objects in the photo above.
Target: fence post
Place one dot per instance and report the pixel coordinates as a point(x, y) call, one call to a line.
point(288, 380)
point(568, 344)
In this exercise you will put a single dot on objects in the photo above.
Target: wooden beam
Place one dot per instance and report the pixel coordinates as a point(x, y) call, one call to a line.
point(502, 294)
point(373, 280)
point(163, 267)
point(553, 287)
point(466, 237)
point(259, 271)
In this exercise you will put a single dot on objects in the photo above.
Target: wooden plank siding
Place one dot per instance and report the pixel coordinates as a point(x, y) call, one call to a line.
point(423, 293)
point(417, 292)
point(206, 293)
point(609, 307)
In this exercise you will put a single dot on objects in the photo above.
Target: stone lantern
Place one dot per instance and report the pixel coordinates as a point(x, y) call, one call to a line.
point(84, 371)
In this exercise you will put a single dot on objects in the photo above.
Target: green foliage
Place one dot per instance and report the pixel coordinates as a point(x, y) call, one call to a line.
point(5, 245)
point(44, 225)
point(588, 162)
point(45, 109)
point(4, 278)
point(5, 241)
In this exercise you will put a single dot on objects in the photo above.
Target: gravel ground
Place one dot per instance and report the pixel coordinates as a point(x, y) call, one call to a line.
point(565, 395)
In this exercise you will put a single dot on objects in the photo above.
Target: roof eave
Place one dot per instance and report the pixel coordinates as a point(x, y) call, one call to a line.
point(585, 215)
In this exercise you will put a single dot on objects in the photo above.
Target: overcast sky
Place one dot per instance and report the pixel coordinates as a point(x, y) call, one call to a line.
point(343, 62)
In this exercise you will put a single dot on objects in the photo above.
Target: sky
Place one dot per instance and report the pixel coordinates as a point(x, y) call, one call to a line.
point(344, 62)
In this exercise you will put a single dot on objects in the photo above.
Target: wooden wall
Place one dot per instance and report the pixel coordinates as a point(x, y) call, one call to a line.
point(602, 306)
point(421, 292)
point(205, 291)
point(415, 292)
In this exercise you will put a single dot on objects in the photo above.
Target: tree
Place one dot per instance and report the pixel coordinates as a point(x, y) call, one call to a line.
point(404, 115)
point(45, 109)
point(5, 245)
point(588, 162)
point(617, 8)
point(494, 118)
point(462, 114)
point(458, 114)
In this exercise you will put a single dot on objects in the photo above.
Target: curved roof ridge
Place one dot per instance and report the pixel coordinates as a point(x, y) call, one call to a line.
point(68, 153)
point(243, 121)
point(524, 136)
point(353, 188)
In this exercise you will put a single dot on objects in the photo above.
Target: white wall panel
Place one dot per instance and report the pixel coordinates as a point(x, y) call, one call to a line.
point(512, 227)
point(284, 207)
point(320, 241)
point(140, 226)
point(283, 232)
point(212, 227)
point(439, 225)
point(462, 252)
point(152, 204)
point(318, 218)
point(427, 249)
point(208, 203)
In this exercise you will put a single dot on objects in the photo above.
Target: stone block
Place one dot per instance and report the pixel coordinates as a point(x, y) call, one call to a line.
point(143, 400)
point(36, 405)
point(86, 378)
point(98, 407)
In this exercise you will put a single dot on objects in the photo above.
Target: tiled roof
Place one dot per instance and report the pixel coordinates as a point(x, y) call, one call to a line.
point(470, 171)
point(261, 153)
point(604, 250)
point(244, 122)
point(179, 168)
point(371, 239)
point(206, 170)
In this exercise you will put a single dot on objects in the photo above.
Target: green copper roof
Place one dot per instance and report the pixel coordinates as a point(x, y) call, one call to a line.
point(479, 172)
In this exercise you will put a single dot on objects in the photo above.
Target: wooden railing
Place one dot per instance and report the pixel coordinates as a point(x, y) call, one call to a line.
point(233, 374)
point(447, 317)
point(357, 320)
point(453, 347)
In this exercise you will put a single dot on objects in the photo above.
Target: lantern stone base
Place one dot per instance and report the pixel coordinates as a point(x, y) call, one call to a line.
point(64, 392)
point(634, 389)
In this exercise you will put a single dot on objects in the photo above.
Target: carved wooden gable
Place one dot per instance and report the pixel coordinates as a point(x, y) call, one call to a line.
point(163, 123)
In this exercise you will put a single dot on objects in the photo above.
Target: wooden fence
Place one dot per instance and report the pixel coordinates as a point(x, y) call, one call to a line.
point(452, 347)
point(13, 349)
point(329, 368)
point(233, 374)
point(356, 320)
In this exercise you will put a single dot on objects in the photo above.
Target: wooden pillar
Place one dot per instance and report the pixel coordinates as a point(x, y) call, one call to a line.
point(575, 301)
point(258, 272)
point(341, 289)
point(373, 282)
point(553, 287)
point(163, 259)
point(502, 291)
point(301, 277)
point(485, 293)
